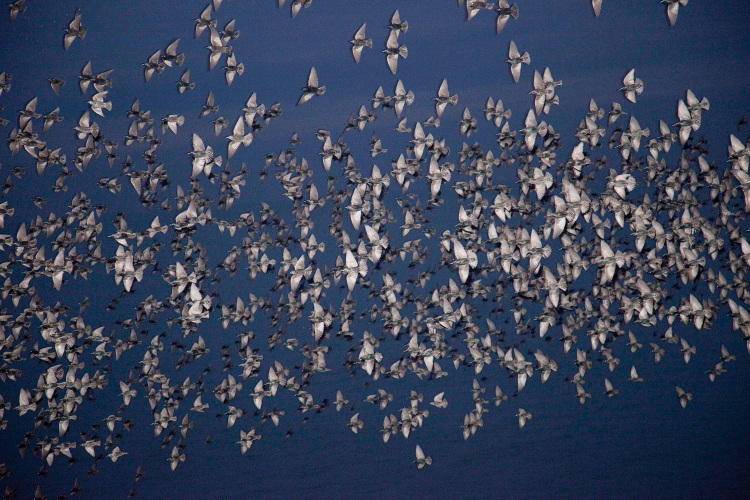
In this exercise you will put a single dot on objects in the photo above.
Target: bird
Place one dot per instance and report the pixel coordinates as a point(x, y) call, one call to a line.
point(116, 453)
point(474, 6)
point(632, 86)
point(597, 6)
point(683, 396)
point(359, 42)
point(444, 98)
point(238, 137)
point(504, 12)
point(397, 25)
point(209, 107)
point(233, 69)
point(171, 56)
point(204, 21)
point(312, 88)
point(56, 83)
point(421, 460)
point(16, 8)
point(439, 401)
point(154, 64)
point(355, 424)
point(609, 389)
point(185, 84)
point(673, 7)
point(515, 59)
point(523, 416)
point(73, 31)
point(393, 51)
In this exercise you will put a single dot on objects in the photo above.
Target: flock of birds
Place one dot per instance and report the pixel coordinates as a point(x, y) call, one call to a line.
point(578, 249)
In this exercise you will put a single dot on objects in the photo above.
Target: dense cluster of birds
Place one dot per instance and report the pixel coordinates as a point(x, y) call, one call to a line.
point(580, 250)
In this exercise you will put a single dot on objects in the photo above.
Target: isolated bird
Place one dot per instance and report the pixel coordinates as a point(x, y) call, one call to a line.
point(312, 88)
point(632, 86)
point(421, 460)
point(73, 31)
point(359, 42)
point(515, 59)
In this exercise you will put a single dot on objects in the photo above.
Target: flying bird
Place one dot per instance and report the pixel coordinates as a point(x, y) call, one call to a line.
point(359, 42)
point(444, 98)
point(597, 6)
point(397, 25)
point(504, 12)
point(73, 31)
point(515, 59)
point(312, 88)
point(673, 8)
point(632, 86)
point(393, 51)
point(421, 460)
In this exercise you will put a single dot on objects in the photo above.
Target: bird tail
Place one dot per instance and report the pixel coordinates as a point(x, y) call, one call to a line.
point(542, 129)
